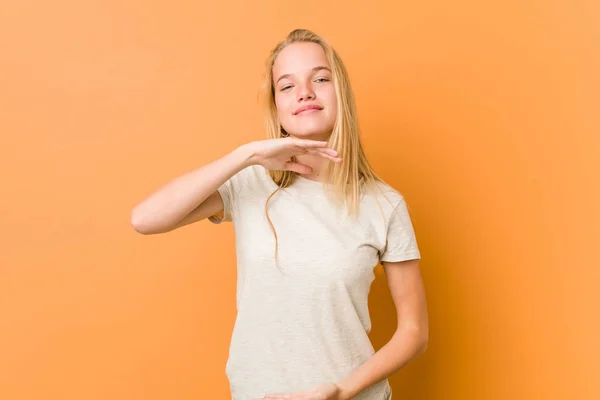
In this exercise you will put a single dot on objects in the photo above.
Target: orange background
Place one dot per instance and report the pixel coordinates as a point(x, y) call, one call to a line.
point(483, 114)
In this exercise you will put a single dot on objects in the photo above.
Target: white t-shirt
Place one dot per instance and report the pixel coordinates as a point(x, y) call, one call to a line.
point(308, 326)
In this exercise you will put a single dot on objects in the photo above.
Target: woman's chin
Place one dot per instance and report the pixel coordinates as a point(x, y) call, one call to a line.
point(311, 134)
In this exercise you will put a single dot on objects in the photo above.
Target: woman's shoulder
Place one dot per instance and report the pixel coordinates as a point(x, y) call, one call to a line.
point(382, 190)
point(257, 176)
point(254, 179)
point(257, 171)
point(250, 173)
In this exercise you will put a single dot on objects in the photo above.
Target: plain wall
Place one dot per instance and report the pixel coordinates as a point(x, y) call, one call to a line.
point(483, 114)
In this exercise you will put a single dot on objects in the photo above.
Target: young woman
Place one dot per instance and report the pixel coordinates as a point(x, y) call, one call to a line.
point(312, 220)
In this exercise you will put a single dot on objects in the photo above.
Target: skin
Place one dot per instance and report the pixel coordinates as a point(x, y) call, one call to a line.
point(302, 76)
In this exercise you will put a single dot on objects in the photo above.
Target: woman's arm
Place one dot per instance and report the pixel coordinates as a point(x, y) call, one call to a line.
point(190, 197)
point(410, 338)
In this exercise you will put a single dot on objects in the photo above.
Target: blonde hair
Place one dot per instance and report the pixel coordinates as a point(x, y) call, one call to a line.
point(346, 180)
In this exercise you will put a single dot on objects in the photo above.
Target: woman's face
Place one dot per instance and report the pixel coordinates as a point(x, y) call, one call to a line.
point(304, 92)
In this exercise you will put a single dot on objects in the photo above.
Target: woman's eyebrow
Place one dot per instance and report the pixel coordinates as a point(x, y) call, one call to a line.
point(315, 69)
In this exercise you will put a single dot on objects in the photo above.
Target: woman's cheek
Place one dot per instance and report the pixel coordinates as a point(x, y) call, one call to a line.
point(281, 105)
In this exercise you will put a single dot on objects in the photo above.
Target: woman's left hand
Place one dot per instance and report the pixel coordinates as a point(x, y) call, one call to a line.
point(329, 391)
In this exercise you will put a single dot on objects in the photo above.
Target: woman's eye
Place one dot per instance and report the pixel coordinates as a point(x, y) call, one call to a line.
point(285, 87)
point(322, 79)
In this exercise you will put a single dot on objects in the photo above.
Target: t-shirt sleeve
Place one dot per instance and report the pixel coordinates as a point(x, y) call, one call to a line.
point(401, 243)
point(229, 192)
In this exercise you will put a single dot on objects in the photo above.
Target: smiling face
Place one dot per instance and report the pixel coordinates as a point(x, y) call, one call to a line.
point(304, 91)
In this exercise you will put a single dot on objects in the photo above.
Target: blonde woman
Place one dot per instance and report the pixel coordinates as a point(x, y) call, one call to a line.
point(312, 220)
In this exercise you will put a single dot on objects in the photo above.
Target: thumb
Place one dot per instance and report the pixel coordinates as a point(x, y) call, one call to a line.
point(297, 167)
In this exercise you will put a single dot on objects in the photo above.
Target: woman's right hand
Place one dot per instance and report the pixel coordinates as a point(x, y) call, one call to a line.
point(275, 154)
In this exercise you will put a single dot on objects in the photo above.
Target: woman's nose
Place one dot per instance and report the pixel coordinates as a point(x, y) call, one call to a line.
point(305, 92)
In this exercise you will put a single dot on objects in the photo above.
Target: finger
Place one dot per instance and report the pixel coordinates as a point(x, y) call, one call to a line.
point(310, 143)
point(297, 167)
point(323, 154)
point(326, 150)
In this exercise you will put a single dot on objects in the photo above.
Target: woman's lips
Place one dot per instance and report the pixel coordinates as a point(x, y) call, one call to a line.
point(308, 107)
point(310, 110)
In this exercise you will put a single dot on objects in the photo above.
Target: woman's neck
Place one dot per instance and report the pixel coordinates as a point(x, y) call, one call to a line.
point(317, 163)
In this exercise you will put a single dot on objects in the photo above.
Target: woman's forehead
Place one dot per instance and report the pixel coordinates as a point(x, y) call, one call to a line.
point(299, 58)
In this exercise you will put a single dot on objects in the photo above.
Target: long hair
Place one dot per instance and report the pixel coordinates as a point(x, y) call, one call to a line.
point(346, 180)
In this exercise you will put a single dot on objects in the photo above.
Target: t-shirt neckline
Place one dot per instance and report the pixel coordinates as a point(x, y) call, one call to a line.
point(312, 181)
